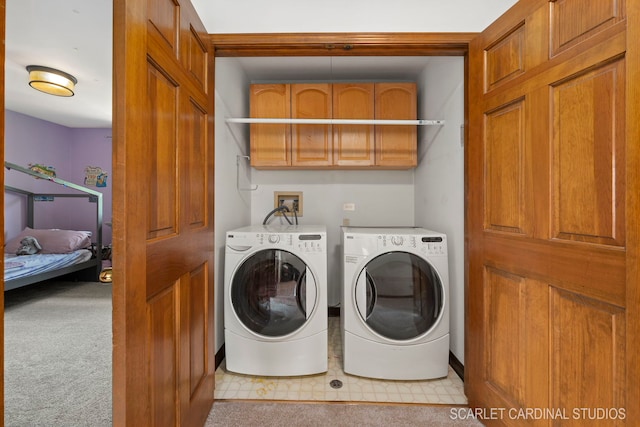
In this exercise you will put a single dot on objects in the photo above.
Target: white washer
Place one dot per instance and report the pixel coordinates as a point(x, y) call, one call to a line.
point(395, 310)
point(275, 300)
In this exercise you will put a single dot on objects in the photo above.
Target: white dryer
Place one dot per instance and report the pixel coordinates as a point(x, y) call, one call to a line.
point(395, 310)
point(275, 300)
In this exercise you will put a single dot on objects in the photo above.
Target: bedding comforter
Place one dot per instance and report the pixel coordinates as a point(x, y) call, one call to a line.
point(28, 265)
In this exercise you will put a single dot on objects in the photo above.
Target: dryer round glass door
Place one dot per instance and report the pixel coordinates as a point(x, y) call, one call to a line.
point(273, 292)
point(399, 295)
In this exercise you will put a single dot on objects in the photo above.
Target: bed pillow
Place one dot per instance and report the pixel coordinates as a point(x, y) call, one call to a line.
point(53, 241)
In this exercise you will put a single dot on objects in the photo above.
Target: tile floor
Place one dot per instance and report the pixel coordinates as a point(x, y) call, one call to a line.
point(447, 390)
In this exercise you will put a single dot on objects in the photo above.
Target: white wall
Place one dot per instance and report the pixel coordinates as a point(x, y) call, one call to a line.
point(259, 16)
point(232, 207)
point(439, 177)
point(381, 198)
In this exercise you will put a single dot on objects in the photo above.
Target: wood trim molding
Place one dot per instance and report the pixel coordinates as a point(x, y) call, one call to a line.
point(340, 44)
point(456, 365)
point(220, 355)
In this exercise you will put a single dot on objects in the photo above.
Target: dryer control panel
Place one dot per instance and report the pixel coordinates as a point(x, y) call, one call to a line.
point(428, 245)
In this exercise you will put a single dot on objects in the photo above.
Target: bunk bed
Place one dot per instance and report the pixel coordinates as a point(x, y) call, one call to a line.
point(24, 270)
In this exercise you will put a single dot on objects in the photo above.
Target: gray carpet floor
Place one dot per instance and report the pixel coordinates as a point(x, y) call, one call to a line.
point(276, 414)
point(58, 355)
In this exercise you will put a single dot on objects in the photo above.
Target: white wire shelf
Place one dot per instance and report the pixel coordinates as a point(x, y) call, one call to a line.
point(337, 121)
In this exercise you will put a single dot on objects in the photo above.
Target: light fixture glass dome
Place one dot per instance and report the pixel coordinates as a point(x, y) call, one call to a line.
point(51, 81)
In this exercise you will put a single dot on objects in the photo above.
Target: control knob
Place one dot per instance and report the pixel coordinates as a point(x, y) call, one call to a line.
point(397, 240)
point(274, 238)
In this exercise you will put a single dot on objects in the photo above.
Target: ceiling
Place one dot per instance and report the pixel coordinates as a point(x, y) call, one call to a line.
point(332, 68)
point(71, 35)
point(75, 36)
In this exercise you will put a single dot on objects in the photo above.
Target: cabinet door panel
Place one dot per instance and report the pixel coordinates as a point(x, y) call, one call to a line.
point(311, 143)
point(396, 145)
point(270, 143)
point(353, 144)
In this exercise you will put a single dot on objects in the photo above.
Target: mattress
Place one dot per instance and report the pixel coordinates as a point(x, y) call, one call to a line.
point(16, 267)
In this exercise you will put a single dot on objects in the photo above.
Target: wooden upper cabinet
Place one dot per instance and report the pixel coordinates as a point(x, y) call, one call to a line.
point(320, 146)
point(353, 144)
point(270, 143)
point(311, 143)
point(396, 145)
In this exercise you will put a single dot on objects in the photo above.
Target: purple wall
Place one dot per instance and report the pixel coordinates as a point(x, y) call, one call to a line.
point(29, 140)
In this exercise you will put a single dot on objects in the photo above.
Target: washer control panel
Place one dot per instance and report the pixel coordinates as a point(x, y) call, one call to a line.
point(308, 243)
point(433, 245)
point(311, 243)
point(311, 239)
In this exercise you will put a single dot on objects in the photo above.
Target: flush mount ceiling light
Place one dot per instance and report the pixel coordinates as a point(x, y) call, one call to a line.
point(51, 81)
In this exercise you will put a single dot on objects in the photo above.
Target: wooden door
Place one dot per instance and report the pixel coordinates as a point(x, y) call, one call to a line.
point(311, 143)
point(270, 143)
point(163, 351)
point(552, 216)
point(396, 146)
point(353, 144)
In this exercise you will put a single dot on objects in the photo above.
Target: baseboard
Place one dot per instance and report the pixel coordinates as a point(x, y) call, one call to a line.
point(220, 356)
point(456, 365)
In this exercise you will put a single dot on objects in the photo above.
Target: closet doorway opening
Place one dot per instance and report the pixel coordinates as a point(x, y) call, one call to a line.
point(242, 59)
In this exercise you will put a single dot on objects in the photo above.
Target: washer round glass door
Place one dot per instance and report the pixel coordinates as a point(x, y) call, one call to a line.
point(399, 295)
point(273, 292)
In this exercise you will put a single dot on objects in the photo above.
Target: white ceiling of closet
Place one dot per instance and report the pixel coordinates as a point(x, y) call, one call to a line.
point(333, 68)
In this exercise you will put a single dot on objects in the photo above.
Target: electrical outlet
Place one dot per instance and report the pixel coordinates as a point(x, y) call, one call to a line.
point(290, 199)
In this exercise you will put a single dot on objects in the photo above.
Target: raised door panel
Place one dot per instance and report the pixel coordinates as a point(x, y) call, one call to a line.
point(161, 155)
point(163, 338)
point(515, 367)
point(353, 144)
point(587, 362)
point(396, 145)
point(270, 142)
point(572, 21)
point(195, 331)
point(312, 144)
point(196, 59)
point(588, 156)
point(505, 208)
point(193, 50)
point(505, 355)
point(163, 23)
point(194, 167)
point(505, 59)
